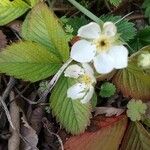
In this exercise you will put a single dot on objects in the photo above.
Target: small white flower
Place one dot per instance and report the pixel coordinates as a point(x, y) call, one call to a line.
point(83, 89)
point(144, 60)
point(100, 46)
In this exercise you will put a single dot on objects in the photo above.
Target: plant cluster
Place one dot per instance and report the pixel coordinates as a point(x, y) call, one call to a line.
point(106, 56)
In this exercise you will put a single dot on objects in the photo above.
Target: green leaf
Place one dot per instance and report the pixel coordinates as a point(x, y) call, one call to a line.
point(115, 2)
point(28, 61)
point(136, 109)
point(42, 26)
point(133, 81)
point(33, 2)
point(72, 114)
point(125, 28)
point(10, 10)
point(146, 6)
point(136, 137)
point(141, 39)
point(107, 89)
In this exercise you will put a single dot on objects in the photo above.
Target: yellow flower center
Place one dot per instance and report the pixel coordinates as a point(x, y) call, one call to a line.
point(86, 79)
point(103, 43)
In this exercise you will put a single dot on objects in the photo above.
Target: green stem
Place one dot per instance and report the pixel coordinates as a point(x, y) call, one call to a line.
point(86, 12)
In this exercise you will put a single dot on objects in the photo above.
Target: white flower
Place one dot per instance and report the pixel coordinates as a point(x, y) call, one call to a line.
point(84, 76)
point(100, 46)
point(144, 60)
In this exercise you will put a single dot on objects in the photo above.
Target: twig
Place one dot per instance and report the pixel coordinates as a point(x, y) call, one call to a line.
point(58, 137)
point(7, 112)
point(54, 80)
point(10, 85)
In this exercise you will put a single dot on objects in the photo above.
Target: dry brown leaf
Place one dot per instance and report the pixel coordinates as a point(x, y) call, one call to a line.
point(29, 134)
point(36, 119)
point(15, 25)
point(108, 111)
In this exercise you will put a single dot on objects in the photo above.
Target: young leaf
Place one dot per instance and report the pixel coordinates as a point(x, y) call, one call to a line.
point(75, 23)
point(133, 81)
point(107, 89)
point(28, 61)
point(136, 137)
point(107, 135)
point(124, 27)
point(115, 2)
point(72, 114)
point(10, 10)
point(42, 26)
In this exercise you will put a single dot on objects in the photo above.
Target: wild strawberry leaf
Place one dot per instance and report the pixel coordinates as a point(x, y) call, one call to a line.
point(10, 10)
point(136, 137)
point(72, 114)
point(104, 133)
point(133, 81)
point(42, 26)
point(28, 61)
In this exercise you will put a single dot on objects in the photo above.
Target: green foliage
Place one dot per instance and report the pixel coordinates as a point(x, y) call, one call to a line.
point(42, 26)
point(32, 2)
point(107, 89)
point(115, 2)
point(75, 23)
point(136, 109)
point(146, 6)
point(136, 137)
point(72, 114)
point(28, 61)
point(141, 39)
point(125, 28)
point(133, 81)
point(10, 10)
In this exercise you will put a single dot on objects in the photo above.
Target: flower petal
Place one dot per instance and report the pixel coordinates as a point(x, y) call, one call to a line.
point(89, 95)
point(103, 63)
point(83, 51)
point(120, 56)
point(76, 91)
point(88, 69)
point(109, 29)
point(90, 31)
point(73, 71)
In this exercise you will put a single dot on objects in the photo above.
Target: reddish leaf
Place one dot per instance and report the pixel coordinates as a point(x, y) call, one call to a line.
point(133, 81)
point(108, 135)
point(136, 138)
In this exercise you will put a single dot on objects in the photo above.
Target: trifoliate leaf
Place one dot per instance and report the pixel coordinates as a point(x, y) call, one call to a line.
point(42, 26)
point(125, 28)
point(72, 114)
point(136, 108)
point(133, 81)
point(107, 89)
point(10, 10)
point(29, 61)
point(141, 39)
point(115, 2)
point(136, 137)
